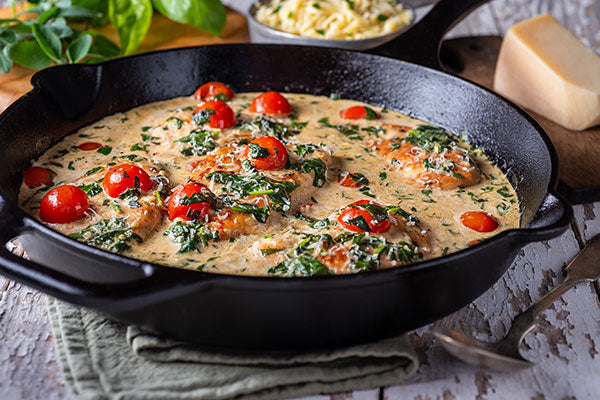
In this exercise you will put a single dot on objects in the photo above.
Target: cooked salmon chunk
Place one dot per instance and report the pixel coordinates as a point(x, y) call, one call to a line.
point(428, 157)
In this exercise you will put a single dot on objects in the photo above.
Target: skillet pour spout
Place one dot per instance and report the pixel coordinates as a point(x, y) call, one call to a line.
point(263, 313)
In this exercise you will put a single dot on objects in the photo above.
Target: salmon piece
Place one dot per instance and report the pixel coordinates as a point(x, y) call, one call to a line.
point(228, 159)
point(143, 219)
point(429, 164)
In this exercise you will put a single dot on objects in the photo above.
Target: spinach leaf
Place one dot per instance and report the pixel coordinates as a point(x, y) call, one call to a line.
point(131, 19)
point(270, 127)
point(104, 150)
point(261, 214)
point(201, 142)
point(301, 261)
point(429, 138)
point(203, 116)
point(91, 190)
point(314, 222)
point(131, 196)
point(349, 130)
point(189, 235)
point(304, 149)
point(257, 151)
point(113, 234)
point(256, 184)
point(208, 15)
point(315, 165)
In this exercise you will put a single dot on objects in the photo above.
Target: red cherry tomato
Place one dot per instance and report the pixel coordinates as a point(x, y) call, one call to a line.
point(122, 177)
point(37, 176)
point(479, 221)
point(191, 211)
point(365, 216)
point(88, 146)
point(359, 112)
point(276, 158)
point(270, 103)
point(211, 90)
point(351, 180)
point(222, 116)
point(64, 204)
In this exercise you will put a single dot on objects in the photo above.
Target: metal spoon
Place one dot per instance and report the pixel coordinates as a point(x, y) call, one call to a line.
point(504, 355)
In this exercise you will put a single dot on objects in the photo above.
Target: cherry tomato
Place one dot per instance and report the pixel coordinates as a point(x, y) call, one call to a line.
point(122, 177)
point(365, 216)
point(222, 115)
point(352, 180)
point(88, 146)
point(64, 204)
point(359, 112)
point(191, 211)
point(37, 176)
point(479, 221)
point(212, 90)
point(266, 153)
point(270, 103)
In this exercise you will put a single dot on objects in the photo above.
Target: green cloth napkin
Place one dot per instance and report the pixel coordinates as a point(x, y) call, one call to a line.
point(103, 359)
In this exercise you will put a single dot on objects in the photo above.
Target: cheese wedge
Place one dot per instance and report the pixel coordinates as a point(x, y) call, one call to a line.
point(545, 68)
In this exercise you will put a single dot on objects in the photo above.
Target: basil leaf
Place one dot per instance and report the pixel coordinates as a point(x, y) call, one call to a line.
point(208, 15)
point(60, 28)
point(5, 63)
point(102, 48)
point(48, 40)
point(46, 15)
point(28, 54)
point(78, 12)
point(79, 48)
point(7, 36)
point(131, 19)
point(98, 6)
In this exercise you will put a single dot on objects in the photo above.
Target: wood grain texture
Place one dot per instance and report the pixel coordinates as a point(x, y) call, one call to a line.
point(566, 346)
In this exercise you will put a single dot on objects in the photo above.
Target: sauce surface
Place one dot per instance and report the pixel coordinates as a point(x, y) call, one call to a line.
point(416, 208)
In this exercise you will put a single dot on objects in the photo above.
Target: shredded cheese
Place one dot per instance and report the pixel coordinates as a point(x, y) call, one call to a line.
point(335, 19)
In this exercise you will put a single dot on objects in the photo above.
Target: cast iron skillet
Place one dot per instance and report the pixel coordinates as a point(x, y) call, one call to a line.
point(235, 312)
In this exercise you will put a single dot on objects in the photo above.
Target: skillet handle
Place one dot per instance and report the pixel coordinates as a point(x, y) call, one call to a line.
point(421, 43)
point(552, 219)
point(155, 285)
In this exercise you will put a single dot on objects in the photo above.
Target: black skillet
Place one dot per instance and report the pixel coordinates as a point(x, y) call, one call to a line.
point(238, 312)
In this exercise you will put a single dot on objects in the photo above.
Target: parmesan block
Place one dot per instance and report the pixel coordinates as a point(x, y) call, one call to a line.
point(545, 68)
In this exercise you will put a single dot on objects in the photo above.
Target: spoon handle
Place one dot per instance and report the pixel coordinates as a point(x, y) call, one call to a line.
point(584, 267)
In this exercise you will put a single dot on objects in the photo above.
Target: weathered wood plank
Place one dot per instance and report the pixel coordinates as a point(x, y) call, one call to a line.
point(564, 346)
point(28, 364)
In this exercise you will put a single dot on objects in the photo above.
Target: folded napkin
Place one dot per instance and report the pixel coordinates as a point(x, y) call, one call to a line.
point(103, 359)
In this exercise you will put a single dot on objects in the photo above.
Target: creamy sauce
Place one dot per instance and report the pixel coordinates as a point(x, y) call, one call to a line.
point(148, 135)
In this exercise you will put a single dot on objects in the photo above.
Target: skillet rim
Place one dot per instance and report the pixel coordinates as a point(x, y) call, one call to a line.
point(150, 268)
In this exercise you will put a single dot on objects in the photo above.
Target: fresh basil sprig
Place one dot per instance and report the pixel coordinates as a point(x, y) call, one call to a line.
point(58, 31)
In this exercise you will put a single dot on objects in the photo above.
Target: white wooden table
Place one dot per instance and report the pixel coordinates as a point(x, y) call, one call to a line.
point(565, 346)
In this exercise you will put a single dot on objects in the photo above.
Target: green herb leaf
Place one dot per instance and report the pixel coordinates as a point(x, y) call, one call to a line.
point(48, 41)
point(104, 150)
point(92, 189)
point(315, 165)
point(257, 151)
point(27, 54)
point(200, 142)
point(208, 15)
point(79, 48)
point(131, 19)
point(113, 234)
point(371, 114)
point(203, 116)
point(189, 235)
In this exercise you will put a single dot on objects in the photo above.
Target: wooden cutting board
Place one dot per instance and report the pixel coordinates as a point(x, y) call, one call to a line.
point(473, 58)
point(163, 34)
